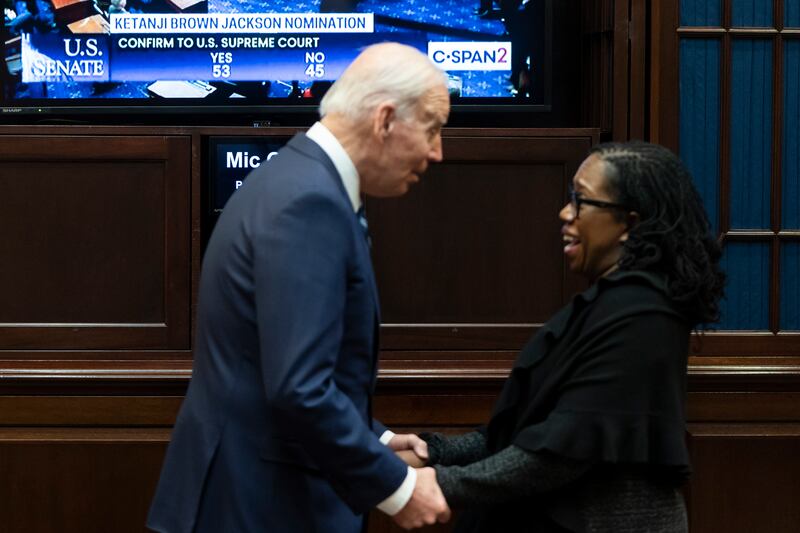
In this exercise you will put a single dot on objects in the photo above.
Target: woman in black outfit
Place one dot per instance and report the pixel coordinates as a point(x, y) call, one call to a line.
point(588, 432)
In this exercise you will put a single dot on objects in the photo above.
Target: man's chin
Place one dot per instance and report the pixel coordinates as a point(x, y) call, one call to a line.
point(400, 190)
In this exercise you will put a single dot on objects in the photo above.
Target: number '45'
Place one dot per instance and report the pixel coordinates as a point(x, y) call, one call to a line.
point(315, 70)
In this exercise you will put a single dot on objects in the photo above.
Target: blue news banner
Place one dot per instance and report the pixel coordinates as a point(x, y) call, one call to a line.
point(234, 47)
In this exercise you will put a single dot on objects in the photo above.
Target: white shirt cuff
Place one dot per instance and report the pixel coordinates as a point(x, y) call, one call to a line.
point(386, 437)
point(400, 497)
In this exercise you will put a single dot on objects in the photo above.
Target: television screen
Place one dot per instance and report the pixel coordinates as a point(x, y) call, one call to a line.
point(228, 55)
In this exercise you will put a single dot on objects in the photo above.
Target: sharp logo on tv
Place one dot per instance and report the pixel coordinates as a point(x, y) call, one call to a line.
point(236, 53)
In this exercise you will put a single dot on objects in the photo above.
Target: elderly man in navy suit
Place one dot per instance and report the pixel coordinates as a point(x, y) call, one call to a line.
point(276, 434)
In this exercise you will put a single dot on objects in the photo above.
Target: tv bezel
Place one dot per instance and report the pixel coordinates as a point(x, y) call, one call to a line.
point(297, 112)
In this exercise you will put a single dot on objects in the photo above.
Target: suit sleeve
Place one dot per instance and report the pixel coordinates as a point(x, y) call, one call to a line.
point(301, 283)
point(378, 428)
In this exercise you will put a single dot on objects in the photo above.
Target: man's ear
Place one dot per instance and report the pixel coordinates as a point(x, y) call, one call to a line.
point(631, 219)
point(384, 118)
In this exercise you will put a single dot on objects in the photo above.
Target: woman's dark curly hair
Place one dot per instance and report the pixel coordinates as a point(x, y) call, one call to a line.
point(672, 236)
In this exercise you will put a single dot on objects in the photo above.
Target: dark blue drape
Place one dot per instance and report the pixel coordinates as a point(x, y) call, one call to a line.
point(751, 133)
point(752, 13)
point(700, 118)
point(790, 208)
point(701, 13)
point(790, 286)
point(746, 305)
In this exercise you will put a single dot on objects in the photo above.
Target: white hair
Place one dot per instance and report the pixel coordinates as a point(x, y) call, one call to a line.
point(402, 76)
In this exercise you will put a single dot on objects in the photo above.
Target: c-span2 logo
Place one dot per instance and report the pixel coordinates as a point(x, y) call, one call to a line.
point(469, 55)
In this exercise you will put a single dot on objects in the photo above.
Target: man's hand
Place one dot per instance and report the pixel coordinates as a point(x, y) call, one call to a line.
point(427, 504)
point(410, 458)
point(410, 442)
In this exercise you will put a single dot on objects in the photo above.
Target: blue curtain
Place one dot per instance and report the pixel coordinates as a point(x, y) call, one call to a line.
point(746, 303)
point(751, 133)
point(790, 286)
point(700, 118)
point(701, 13)
point(752, 13)
point(790, 166)
point(791, 11)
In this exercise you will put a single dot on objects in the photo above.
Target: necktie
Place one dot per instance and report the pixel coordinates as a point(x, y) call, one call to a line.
point(362, 221)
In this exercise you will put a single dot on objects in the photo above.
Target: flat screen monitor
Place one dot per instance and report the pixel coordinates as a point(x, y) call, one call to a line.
point(230, 161)
point(63, 57)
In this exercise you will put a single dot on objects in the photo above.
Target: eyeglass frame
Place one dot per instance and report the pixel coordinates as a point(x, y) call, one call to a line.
point(575, 200)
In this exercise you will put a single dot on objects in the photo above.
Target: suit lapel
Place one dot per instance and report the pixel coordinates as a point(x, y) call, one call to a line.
point(309, 148)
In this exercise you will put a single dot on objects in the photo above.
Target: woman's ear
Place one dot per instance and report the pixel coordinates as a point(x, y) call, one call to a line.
point(631, 219)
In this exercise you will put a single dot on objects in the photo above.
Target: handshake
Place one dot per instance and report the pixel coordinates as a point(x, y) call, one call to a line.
point(427, 504)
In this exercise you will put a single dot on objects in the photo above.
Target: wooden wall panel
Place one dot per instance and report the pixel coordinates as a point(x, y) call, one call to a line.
point(494, 225)
point(78, 480)
point(746, 478)
point(100, 240)
point(77, 464)
point(66, 226)
point(471, 257)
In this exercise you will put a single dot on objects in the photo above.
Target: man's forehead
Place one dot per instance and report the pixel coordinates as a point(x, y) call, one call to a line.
point(435, 105)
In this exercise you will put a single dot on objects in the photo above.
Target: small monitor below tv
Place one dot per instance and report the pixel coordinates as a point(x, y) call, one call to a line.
point(230, 161)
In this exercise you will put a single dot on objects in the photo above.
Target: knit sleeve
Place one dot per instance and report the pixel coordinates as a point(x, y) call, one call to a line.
point(507, 476)
point(456, 449)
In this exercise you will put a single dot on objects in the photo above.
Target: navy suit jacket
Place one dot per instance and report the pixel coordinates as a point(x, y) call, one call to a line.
point(276, 433)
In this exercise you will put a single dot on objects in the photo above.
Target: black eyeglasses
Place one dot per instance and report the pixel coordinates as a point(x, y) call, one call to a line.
point(575, 201)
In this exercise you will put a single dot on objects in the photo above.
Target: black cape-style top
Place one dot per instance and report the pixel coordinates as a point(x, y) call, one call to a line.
point(603, 381)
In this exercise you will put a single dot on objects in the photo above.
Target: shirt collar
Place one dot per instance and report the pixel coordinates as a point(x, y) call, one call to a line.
point(344, 165)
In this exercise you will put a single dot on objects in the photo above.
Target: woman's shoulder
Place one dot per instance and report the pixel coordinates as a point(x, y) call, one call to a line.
point(620, 292)
point(635, 285)
point(624, 293)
